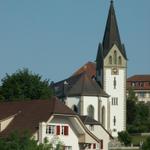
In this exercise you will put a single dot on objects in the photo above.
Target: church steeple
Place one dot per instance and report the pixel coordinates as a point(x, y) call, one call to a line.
point(111, 35)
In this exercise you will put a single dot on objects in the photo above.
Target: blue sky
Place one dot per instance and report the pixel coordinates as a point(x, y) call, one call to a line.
point(55, 37)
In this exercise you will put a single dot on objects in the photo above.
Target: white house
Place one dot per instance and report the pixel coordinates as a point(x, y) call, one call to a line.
point(49, 119)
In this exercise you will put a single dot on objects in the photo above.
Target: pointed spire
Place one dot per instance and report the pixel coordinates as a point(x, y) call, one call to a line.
point(111, 35)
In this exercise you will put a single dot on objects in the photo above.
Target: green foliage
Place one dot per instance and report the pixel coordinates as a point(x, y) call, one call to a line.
point(146, 144)
point(24, 85)
point(131, 95)
point(124, 138)
point(16, 142)
point(138, 115)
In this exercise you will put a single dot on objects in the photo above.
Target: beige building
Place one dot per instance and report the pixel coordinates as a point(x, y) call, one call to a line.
point(141, 86)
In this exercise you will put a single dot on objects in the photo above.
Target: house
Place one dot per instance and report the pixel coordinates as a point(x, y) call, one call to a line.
point(95, 127)
point(98, 89)
point(49, 119)
point(141, 86)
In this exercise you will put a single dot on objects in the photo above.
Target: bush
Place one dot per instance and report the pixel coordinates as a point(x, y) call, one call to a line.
point(124, 138)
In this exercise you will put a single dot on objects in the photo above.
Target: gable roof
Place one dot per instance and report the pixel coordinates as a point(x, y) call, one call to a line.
point(30, 113)
point(90, 121)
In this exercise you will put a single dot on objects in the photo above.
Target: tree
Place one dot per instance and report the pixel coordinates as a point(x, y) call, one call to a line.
point(131, 106)
point(146, 144)
point(15, 141)
point(23, 85)
point(124, 138)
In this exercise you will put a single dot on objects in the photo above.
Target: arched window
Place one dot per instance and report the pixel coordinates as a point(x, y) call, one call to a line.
point(119, 60)
point(110, 60)
point(90, 111)
point(103, 116)
point(115, 57)
point(75, 108)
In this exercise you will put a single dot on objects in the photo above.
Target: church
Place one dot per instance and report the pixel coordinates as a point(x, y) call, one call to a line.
point(98, 89)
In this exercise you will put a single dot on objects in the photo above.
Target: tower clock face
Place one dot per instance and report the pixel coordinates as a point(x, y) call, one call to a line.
point(114, 71)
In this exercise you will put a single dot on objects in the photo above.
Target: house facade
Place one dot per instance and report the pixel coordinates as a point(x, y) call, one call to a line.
point(141, 86)
point(51, 120)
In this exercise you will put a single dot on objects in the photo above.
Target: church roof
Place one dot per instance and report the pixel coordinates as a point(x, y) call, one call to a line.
point(28, 114)
point(111, 35)
point(88, 68)
point(79, 85)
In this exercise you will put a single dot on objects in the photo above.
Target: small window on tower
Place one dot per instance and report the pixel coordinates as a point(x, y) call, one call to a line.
point(115, 82)
point(114, 120)
point(115, 57)
point(110, 60)
point(120, 60)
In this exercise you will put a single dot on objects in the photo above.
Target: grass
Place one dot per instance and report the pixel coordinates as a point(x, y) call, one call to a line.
point(136, 139)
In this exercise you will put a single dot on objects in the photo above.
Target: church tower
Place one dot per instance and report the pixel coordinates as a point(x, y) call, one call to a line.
point(111, 66)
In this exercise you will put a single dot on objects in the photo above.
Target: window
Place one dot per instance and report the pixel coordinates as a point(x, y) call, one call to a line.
point(141, 84)
point(91, 127)
point(57, 130)
point(142, 94)
point(110, 60)
point(64, 130)
point(114, 120)
point(94, 146)
point(114, 101)
point(101, 144)
point(114, 82)
point(103, 116)
point(89, 146)
point(75, 108)
point(133, 84)
point(90, 111)
point(68, 148)
point(115, 57)
point(50, 129)
point(119, 60)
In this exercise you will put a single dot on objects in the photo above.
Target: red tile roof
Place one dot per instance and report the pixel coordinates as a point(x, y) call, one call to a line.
point(139, 78)
point(30, 114)
point(139, 82)
point(89, 68)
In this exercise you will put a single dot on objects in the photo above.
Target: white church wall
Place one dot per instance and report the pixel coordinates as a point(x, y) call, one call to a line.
point(117, 109)
point(71, 101)
point(90, 100)
point(104, 103)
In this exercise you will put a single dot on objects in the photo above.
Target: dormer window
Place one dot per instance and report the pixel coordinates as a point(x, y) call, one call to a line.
point(90, 111)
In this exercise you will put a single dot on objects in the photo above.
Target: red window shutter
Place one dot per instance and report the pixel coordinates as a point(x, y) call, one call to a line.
point(65, 130)
point(101, 144)
point(89, 146)
point(94, 146)
point(58, 130)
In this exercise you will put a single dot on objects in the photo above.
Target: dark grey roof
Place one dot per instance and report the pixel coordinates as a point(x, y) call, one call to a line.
point(79, 85)
point(111, 35)
point(88, 120)
point(86, 86)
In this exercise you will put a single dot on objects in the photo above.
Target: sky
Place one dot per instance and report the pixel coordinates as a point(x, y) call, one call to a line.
point(53, 38)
